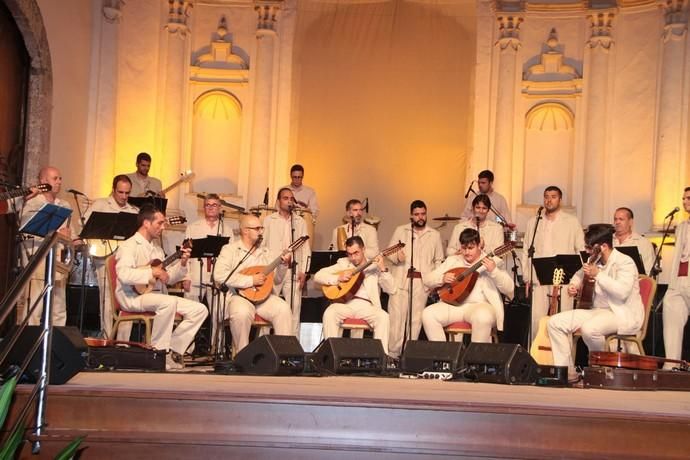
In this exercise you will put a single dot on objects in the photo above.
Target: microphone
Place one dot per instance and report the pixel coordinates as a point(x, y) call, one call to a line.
point(539, 211)
point(77, 192)
point(266, 197)
point(365, 207)
point(476, 218)
point(670, 214)
point(469, 190)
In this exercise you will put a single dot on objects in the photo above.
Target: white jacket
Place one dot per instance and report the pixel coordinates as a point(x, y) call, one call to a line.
point(373, 278)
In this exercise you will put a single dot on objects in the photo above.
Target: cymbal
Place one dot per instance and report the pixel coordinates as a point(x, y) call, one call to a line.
point(262, 207)
point(447, 218)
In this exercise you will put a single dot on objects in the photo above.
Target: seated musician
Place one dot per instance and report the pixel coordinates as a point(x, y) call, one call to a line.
point(133, 259)
point(483, 308)
point(366, 301)
point(243, 253)
point(491, 233)
point(617, 305)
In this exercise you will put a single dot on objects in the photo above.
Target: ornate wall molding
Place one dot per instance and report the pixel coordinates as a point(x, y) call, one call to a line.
point(675, 19)
point(601, 24)
point(552, 77)
point(220, 64)
point(267, 14)
point(178, 13)
point(509, 31)
point(112, 10)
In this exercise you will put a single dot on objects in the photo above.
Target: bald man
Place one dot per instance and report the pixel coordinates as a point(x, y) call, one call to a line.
point(246, 252)
point(51, 176)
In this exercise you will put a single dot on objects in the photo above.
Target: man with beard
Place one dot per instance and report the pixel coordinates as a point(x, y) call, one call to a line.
point(355, 227)
point(485, 183)
point(142, 183)
point(428, 254)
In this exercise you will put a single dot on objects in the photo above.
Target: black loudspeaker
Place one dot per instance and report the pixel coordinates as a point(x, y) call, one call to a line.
point(422, 356)
point(271, 355)
point(499, 363)
point(67, 359)
point(349, 356)
point(92, 307)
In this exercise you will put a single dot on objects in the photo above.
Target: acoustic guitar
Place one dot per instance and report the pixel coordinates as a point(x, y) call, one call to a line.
point(344, 291)
point(466, 277)
point(21, 191)
point(585, 297)
point(184, 177)
point(146, 288)
point(258, 294)
point(541, 346)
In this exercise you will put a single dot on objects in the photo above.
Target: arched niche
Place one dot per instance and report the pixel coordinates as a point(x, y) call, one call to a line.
point(216, 139)
point(549, 146)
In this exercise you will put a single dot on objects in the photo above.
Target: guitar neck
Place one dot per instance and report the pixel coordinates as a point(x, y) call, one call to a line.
point(14, 193)
point(171, 259)
point(475, 266)
point(171, 186)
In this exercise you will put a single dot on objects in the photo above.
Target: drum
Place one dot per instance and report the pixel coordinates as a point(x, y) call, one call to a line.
point(509, 236)
point(310, 221)
point(373, 220)
point(82, 261)
point(101, 249)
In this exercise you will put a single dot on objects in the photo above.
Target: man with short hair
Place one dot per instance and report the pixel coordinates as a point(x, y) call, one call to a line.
point(428, 254)
point(490, 232)
point(626, 236)
point(356, 227)
point(305, 196)
point(483, 307)
point(485, 184)
point(116, 202)
point(558, 233)
point(617, 305)
point(243, 253)
point(142, 183)
point(366, 303)
point(282, 229)
point(677, 299)
point(133, 268)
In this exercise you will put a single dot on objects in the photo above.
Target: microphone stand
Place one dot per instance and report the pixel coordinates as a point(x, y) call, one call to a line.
point(530, 294)
point(84, 264)
point(656, 266)
point(293, 264)
point(410, 274)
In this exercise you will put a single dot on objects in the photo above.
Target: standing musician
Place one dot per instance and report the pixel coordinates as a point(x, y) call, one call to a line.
point(677, 299)
point(212, 224)
point(355, 227)
point(142, 183)
point(366, 303)
point(114, 203)
point(491, 233)
point(485, 183)
point(133, 259)
point(51, 176)
point(428, 254)
point(246, 252)
point(305, 196)
point(558, 233)
point(282, 229)
point(483, 307)
point(617, 305)
point(625, 236)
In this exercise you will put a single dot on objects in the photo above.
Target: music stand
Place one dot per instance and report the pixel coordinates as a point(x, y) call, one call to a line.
point(109, 226)
point(634, 254)
point(159, 202)
point(544, 267)
point(48, 218)
point(322, 259)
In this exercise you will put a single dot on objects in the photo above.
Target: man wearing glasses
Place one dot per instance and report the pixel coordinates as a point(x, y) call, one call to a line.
point(305, 196)
point(233, 259)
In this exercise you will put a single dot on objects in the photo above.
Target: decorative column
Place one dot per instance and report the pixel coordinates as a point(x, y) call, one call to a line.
point(668, 171)
point(507, 45)
point(173, 87)
point(596, 77)
point(103, 109)
point(260, 162)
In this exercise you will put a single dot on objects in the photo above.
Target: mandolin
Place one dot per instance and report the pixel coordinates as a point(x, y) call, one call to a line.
point(586, 295)
point(344, 291)
point(466, 277)
point(184, 177)
point(145, 288)
point(258, 294)
point(541, 345)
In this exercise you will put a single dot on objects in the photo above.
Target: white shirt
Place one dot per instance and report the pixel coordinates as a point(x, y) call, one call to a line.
point(278, 236)
point(31, 207)
point(368, 234)
point(489, 231)
point(306, 195)
point(141, 186)
point(109, 205)
point(231, 255)
point(373, 278)
point(428, 252)
point(644, 246)
point(498, 202)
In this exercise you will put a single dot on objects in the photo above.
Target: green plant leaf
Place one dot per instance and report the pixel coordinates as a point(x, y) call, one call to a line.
point(6, 393)
point(69, 451)
point(12, 443)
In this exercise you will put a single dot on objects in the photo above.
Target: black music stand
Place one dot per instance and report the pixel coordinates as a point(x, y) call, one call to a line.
point(109, 226)
point(48, 218)
point(159, 202)
point(544, 267)
point(634, 254)
point(322, 259)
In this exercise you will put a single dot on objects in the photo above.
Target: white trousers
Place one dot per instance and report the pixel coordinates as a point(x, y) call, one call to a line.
point(165, 306)
point(594, 326)
point(241, 313)
point(285, 291)
point(540, 304)
point(361, 309)
point(439, 315)
point(398, 309)
point(675, 316)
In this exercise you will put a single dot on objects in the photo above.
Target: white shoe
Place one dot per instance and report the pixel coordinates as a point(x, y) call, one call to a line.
point(171, 364)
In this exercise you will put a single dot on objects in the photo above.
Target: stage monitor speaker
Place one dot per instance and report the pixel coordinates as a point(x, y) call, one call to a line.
point(339, 355)
point(271, 355)
point(499, 363)
point(422, 356)
point(68, 355)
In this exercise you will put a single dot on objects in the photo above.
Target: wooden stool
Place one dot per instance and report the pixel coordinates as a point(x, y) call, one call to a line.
point(459, 328)
point(356, 326)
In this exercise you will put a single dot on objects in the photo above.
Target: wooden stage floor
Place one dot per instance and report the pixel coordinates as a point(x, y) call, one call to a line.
point(193, 415)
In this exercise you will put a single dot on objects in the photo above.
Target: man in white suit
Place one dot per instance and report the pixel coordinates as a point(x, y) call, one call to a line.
point(677, 299)
point(366, 303)
point(617, 305)
point(483, 308)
